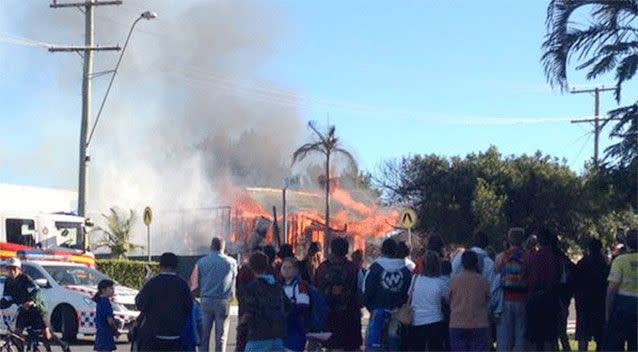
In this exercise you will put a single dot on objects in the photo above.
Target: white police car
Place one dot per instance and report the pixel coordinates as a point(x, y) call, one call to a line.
point(68, 289)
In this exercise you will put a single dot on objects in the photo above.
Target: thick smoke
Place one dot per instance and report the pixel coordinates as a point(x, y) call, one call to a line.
point(184, 117)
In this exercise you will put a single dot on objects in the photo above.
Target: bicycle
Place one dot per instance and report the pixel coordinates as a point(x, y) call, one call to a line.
point(10, 341)
point(30, 341)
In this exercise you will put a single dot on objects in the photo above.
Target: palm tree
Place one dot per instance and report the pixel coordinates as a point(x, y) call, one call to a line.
point(607, 44)
point(328, 145)
point(117, 234)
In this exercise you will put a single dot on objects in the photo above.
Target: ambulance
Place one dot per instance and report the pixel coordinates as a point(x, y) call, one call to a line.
point(41, 219)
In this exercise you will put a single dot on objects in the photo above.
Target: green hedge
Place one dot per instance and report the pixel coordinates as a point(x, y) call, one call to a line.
point(129, 273)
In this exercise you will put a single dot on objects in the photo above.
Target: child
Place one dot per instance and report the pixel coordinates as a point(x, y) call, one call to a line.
point(298, 293)
point(192, 326)
point(106, 327)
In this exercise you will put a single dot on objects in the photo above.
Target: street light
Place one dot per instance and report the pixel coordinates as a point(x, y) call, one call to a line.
point(147, 15)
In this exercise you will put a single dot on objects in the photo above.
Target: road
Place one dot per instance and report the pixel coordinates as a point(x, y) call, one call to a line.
point(85, 344)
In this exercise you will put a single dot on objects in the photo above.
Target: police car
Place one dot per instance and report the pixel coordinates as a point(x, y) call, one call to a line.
point(68, 290)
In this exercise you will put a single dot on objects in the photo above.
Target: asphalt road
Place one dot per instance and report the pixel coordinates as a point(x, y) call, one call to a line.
point(85, 344)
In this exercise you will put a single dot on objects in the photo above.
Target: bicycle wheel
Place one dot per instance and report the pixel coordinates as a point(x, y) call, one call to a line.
point(6, 345)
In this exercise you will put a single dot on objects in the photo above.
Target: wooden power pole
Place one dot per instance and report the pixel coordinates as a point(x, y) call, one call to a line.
point(596, 119)
point(88, 7)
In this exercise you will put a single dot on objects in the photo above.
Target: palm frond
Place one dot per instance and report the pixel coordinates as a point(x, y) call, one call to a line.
point(620, 48)
point(604, 64)
point(602, 45)
point(322, 138)
point(625, 71)
point(625, 152)
point(348, 156)
point(331, 131)
point(117, 232)
point(304, 150)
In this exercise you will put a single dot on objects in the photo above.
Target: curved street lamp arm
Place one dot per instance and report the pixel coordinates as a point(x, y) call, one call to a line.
point(108, 89)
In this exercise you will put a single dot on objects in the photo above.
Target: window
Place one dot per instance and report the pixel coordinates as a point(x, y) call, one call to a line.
point(74, 275)
point(32, 272)
point(69, 234)
point(21, 231)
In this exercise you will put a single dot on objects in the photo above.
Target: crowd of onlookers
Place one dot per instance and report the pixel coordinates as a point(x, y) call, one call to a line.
point(435, 299)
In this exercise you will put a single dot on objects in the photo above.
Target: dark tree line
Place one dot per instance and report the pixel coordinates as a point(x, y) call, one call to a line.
point(488, 191)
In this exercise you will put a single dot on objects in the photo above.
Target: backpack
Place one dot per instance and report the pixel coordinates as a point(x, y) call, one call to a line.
point(336, 288)
point(40, 301)
point(512, 271)
point(317, 315)
point(272, 302)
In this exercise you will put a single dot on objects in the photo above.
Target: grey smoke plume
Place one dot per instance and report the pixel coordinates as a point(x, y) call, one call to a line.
point(182, 118)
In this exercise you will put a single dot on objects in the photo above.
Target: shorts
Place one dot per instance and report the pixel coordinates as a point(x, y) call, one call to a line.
point(32, 317)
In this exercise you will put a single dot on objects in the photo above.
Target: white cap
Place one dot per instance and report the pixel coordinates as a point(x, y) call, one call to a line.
point(14, 262)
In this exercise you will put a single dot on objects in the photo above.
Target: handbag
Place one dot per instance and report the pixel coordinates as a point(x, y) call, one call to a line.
point(404, 315)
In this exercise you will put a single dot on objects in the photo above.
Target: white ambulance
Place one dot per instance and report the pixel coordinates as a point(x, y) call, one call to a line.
point(68, 289)
point(34, 217)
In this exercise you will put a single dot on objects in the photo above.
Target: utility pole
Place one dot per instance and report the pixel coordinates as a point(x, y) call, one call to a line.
point(87, 49)
point(596, 119)
point(284, 214)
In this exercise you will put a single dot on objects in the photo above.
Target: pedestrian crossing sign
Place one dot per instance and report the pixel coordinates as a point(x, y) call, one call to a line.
point(408, 218)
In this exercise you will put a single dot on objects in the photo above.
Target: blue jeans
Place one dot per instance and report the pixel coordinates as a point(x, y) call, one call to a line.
point(382, 334)
point(622, 324)
point(510, 328)
point(215, 316)
point(469, 339)
point(264, 345)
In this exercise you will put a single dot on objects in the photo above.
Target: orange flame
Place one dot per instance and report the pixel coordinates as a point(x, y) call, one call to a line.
point(354, 218)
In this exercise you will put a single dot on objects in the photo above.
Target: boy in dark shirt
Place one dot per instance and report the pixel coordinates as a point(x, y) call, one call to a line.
point(165, 303)
point(266, 308)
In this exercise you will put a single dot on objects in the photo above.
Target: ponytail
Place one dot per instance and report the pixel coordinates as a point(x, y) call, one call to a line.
point(101, 286)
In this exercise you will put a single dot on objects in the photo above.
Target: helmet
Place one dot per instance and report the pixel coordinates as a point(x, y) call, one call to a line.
point(15, 262)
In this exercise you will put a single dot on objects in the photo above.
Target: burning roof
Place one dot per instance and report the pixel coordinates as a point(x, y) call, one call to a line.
point(305, 213)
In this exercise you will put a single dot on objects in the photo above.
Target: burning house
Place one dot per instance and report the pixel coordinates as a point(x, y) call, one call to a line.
point(305, 223)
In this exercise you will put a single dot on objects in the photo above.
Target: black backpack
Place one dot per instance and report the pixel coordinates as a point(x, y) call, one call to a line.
point(272, 301)
point(336, 289)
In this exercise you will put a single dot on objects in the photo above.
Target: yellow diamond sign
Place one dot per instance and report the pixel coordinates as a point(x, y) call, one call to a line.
point(408, 218)
point(148, 216)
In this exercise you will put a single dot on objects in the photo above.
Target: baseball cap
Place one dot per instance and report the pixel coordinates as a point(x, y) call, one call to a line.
point(15, 262)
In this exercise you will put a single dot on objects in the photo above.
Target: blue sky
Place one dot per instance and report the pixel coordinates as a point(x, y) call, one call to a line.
point(397, 78)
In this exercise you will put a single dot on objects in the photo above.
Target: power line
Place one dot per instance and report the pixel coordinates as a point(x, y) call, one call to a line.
point(17, 40)
point(583, 146)
point(596, 119)
point(588, 133)
point(263, 92)
point(87, 49)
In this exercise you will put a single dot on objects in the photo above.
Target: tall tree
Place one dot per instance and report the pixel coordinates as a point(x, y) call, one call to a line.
point(607, 44)
point(328, 145)
point(456, 196)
